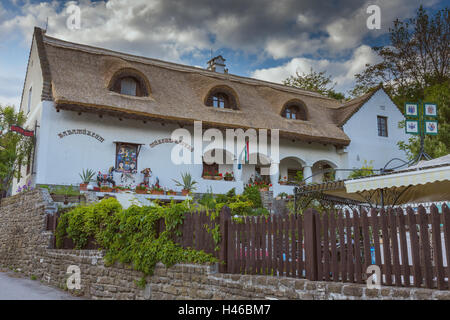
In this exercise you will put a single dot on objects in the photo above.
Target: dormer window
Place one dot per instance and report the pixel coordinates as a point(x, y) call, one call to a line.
point(130, 82)
point(291, 113)
point(294, 111)
point(128, 86)
point(220, 101)
point(221, 98)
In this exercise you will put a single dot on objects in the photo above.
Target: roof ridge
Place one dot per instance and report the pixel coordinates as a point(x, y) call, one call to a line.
point(181, 67)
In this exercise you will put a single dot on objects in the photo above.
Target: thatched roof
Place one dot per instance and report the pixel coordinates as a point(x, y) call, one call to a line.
point(348, 109)
point(80, 76)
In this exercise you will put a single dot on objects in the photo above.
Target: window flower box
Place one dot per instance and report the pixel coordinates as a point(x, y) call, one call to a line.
point(229, 176)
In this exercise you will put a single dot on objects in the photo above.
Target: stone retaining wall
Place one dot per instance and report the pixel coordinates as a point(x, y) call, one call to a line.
point(24, 247)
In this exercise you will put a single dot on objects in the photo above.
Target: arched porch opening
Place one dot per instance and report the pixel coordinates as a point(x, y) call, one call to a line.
point(322, 171)
point(291, 171)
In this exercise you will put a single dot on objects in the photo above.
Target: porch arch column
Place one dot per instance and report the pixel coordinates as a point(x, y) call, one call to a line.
point(275, 173)
point(307, 173)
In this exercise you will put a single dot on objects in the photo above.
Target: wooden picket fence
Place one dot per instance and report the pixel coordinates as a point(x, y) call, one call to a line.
point(411, 248)
point(271, 246)
point(408, 247)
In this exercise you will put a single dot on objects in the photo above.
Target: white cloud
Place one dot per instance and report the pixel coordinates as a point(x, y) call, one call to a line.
point(341, 72)
point(324, 31)
point(169, 28)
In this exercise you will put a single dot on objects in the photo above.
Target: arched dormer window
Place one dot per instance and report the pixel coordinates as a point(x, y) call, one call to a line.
point(131, 83)
point(221, 98)
point(294, 110)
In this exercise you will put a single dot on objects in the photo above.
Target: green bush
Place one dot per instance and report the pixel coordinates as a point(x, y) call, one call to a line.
point(253, 195)
point(129, 235)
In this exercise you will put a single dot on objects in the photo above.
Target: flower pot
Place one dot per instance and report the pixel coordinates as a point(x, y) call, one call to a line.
point(217, 178)
point(263, 189)
point(208, 177)
point(141, 191)
point(83, 186)
point(157, 192)
point(58, 197)
point(106, 189)
point(228, 178)
point(184, 192)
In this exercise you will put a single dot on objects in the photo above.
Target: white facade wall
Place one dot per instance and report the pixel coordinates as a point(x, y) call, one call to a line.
point(33, 80)
point(60, 160)
point(362, 130)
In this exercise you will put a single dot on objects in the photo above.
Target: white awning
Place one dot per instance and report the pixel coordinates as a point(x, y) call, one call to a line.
point(402, 179)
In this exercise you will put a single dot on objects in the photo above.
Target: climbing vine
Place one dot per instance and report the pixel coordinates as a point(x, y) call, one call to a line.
point(247, 204)
point(129, 235)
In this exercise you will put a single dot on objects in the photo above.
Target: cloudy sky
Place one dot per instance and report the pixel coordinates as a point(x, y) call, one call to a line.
point(265, 39)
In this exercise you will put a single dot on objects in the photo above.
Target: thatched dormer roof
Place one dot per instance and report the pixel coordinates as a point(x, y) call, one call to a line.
point(80, 76)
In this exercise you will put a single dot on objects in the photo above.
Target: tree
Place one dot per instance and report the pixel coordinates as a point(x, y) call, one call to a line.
point(415, 66)
point(417, 56)
point(314, 81)
point(15, 149)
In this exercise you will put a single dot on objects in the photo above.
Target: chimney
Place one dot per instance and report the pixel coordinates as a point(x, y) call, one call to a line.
point(217, 64)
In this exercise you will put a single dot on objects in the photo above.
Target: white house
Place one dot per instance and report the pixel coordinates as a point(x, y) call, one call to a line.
point(95, 108)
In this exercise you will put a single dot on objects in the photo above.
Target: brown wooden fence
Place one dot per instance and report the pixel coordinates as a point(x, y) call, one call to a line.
point(411, 248)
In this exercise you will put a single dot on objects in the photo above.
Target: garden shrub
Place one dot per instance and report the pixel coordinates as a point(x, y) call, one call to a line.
point(129, 235)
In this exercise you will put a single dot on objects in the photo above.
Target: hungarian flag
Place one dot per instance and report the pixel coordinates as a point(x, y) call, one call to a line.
point(246, 153)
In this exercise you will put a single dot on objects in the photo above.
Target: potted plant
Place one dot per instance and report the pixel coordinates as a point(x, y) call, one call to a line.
point(106, 189)
point(157, 190)
point(218, 176)
point(141, 189)
point(283, 181)
point(170, 192)
point(229, 176)
point(208, 175)
point(86, 177)
point(187, 183)
point(262, 186)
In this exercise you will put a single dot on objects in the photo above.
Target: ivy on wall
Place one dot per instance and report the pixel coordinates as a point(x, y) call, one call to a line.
point(129, 236)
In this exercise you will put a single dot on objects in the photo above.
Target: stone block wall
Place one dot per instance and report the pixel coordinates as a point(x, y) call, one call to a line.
point(24, 246)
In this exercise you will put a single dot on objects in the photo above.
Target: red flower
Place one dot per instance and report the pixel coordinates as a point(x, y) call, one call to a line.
point(220, 174)
point(270, 185)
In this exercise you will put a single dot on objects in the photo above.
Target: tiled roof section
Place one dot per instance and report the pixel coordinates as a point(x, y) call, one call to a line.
point(78, 75)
